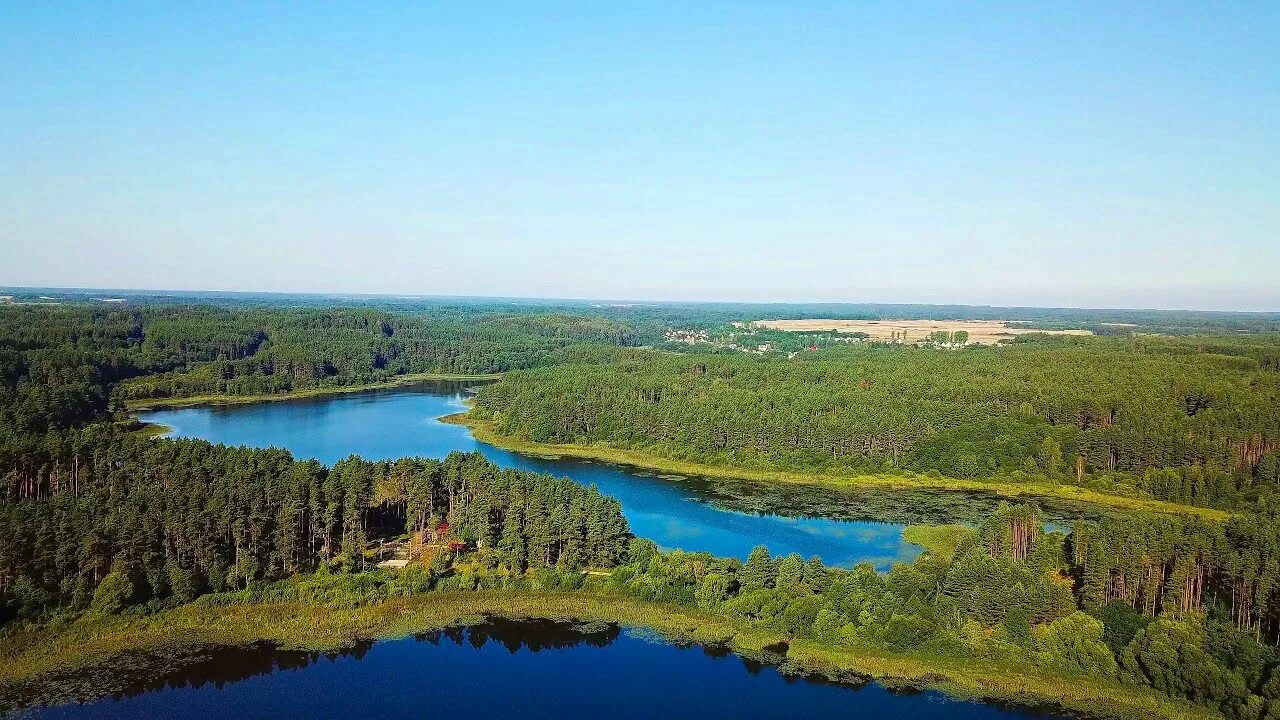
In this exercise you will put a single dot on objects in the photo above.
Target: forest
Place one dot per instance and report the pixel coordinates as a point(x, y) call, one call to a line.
point(1184, 420)
point(1159, 612)
point(1007, 589)
point(130, 521)
point(99, 521)
point(651, 316)
point(165, 351)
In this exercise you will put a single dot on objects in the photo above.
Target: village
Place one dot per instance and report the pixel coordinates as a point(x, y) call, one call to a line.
point(792, 337)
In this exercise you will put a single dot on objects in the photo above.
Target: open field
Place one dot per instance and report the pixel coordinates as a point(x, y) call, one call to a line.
point(984, 332)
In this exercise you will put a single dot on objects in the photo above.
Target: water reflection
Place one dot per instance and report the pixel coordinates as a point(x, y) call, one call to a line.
point(507, 668)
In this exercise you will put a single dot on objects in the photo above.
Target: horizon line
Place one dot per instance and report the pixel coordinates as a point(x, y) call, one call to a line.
point(614, 301)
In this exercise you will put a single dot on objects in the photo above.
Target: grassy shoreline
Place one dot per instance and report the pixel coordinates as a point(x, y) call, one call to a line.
point(484, 431)
point(137, 404)
point(36, 661)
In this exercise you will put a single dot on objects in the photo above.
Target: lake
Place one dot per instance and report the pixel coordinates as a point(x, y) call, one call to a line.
point(721, 516)
point(524, 669)
point(689, 513)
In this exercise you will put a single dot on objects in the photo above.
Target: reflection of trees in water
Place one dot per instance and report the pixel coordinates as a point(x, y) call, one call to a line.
point(232, 664)
point(136, 673)
point(139, 673)
point(531, 635)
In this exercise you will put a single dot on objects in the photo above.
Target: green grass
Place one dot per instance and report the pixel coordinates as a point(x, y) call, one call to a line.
point(149, 430)
point(940, 541)
point(1009, 681)
point(222, 399)
point(484, 431)
point(96, 654)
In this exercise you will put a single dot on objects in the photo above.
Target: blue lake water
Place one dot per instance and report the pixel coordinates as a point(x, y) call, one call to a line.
point(509, 669)
point(689, 513)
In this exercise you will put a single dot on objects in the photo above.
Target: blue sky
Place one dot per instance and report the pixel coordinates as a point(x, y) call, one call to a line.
point(1083, 154)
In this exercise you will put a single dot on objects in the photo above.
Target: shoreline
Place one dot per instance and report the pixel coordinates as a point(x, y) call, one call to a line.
point(44, 664)
point(141, 404)
point(484, 431)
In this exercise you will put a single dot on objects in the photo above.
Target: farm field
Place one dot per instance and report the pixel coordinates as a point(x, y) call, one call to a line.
point(983, 332)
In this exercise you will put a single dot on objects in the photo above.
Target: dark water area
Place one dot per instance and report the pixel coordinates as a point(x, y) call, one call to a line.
point(509, 668)
point(722, 516)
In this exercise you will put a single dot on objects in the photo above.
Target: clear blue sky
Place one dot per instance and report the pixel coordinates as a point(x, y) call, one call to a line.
point(1084, 154)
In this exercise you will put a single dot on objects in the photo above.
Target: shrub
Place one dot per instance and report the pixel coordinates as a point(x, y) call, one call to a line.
point(713, 590)
point(1074, 643)
point(116, 592)
point(1120, 623)
point(641, 550)
point(906, 632)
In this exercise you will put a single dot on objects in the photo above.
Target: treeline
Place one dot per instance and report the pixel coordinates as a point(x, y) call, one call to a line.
point(700, 315)
point(1153, 603)
point(170, 351)
point(122, 521)
point(260, 351)
point(62, 368)
point(58, 366)
point(1012, 592)
point(1182, 420)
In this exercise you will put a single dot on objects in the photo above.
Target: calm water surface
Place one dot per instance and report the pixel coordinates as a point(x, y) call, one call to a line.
point(509, 669)
point(688, 513)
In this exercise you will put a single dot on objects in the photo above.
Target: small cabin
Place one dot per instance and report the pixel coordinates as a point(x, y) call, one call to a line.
point(436, 534)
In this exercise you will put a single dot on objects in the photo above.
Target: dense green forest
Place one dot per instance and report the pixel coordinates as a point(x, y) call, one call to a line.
point(95, 520)
point(125, 520)
point(181, 351)
point(1187, 420)
point(81, 498)
point(249, 353)
point(64, 367)
point(1151, 604)
point(1129, 599)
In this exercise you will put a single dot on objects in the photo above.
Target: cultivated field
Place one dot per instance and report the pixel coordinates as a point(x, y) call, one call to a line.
point(987, 332)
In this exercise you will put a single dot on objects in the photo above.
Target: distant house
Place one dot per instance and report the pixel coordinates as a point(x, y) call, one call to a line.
point(437, 534)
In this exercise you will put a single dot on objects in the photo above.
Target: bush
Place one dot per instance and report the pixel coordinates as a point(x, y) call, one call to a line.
point(1120, 623)
point(906, 632)
point(713, 590)
point(185, 585)
point(116, 592)
point(1170, 657)
point(641, 550)
point(829, 624)
point(1074, 643)
point(800, 615)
